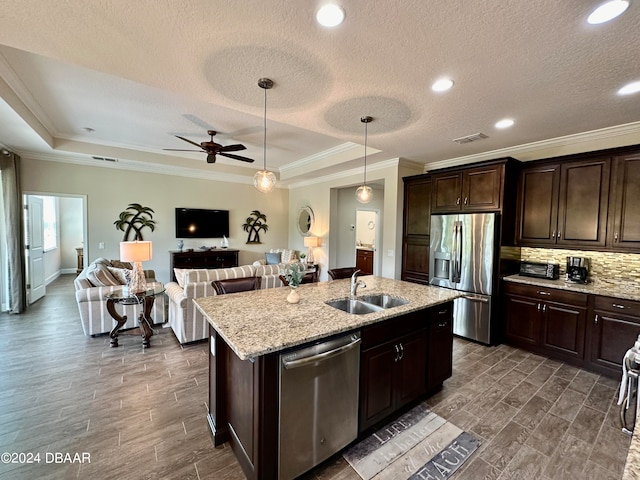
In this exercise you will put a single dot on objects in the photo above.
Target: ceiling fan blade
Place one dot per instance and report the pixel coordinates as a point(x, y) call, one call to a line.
point(237, 157)
point(179, 150)
point(232, 148)
point(211, 158)
point(188, 141)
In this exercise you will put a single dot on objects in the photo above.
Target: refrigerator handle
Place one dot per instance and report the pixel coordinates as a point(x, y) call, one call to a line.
point(457, 252)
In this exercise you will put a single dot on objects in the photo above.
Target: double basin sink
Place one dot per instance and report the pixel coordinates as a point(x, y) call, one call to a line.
point(367, 304)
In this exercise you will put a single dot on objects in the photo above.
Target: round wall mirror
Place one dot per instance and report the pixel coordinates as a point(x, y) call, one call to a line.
point(305, 220)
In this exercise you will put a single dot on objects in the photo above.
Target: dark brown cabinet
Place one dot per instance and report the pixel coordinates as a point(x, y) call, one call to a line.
point(217, 258)
point(440, 363)
point(615, 326)
point(364, 261)
point(416, 229)
point(564, 204)
point(546, 320)
point(473, 189)
point(624, 214)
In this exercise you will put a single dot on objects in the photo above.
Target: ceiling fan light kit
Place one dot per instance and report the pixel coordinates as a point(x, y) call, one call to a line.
point(264, 180)
point(364, 193)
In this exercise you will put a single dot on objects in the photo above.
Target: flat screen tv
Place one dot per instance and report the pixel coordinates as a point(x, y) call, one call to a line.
point(201, 223)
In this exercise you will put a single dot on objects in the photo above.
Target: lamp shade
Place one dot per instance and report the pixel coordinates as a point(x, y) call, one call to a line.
point(310, 241)
point(135, 251)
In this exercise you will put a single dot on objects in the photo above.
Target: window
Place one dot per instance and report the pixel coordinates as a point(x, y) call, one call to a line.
point(50, 221)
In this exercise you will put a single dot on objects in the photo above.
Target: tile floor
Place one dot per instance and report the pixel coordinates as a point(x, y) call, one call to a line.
point(140, 414)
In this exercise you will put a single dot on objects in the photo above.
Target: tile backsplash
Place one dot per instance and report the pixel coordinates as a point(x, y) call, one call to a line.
point(624, 267)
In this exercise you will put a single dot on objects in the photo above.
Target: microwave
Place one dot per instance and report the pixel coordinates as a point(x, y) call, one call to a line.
point(540, 270)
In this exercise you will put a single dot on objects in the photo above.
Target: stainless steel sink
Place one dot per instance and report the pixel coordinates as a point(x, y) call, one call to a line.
point(355, 307)
point(383, 300)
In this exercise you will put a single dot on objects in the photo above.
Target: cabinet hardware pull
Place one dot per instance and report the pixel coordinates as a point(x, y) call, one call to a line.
point(544, 307)
point(559, 234)
point(466, 200)
point(442, 324)
point(540, 292)
point(538, 307)
point(458, 201)
point(553, 235)
point(617, 305)
point(401, 352)
point(443, 312)
point(596, 319)
point(615, 237)
point(397, 353)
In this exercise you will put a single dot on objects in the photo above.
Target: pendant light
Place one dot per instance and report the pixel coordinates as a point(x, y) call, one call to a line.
point(264, 180)
point(364, 194)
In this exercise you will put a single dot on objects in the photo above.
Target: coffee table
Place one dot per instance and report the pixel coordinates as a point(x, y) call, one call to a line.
point(146, 299)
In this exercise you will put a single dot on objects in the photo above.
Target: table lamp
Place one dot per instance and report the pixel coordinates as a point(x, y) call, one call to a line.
point(136, 252)
point(310, 242)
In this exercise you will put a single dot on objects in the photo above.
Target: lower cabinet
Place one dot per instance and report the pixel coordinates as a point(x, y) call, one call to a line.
point(546, 320)
point(615, 326)
point(402, 359)
point(364, 261)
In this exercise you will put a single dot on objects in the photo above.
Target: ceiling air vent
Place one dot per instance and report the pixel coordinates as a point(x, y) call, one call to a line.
point(470, 138)
point(105, 159)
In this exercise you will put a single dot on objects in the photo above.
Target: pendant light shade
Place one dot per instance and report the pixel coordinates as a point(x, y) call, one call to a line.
point(264, 180)
point(364, 193)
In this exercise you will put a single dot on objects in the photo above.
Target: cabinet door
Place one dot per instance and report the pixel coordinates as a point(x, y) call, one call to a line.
point(612, 335)
point(538, 205)
point(523, 319)
point(440, 351)
point(416, 231)
point(364, 261)
point(481, 188)
point(584, 197)
point(411, 381)
point(377, 399)
point(447, 189)
point(564, 329)
point(625, 214)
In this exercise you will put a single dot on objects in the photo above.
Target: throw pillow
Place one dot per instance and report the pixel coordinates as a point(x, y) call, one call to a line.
point(122, 275)
point(259, 263)
point(179, 273)
point(100, 276)
point(273, 258)
point(119, 264)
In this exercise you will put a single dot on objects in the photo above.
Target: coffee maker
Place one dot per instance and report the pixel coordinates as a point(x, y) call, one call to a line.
point(577, 269)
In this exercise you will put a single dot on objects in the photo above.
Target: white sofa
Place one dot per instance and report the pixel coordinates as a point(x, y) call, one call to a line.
point(100, 278)
point(188, 324)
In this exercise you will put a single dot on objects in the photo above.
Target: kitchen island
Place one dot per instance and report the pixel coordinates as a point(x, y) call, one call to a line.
point(408, 346)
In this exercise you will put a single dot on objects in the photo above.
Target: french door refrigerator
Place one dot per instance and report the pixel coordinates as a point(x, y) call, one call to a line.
point(463, 256)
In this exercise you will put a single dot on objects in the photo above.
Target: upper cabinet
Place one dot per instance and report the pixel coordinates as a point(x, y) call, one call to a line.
point(473, 189)
point(564, 204)
point(624, 211)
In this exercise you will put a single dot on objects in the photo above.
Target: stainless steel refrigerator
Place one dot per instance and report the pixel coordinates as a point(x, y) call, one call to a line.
point(464, 250)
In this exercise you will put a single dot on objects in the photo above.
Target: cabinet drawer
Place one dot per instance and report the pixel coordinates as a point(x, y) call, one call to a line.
point(393, 328)
point(547, 294)
point(441, 316)
point(617, 305)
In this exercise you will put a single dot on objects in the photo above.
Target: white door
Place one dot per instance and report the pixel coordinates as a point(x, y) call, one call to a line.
point(35, 249)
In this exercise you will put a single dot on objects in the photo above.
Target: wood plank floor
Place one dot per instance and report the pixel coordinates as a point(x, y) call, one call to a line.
point(141, 414)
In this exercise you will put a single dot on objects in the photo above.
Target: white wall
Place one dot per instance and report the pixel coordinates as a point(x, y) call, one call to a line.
point(70, 223)
point(110, 190)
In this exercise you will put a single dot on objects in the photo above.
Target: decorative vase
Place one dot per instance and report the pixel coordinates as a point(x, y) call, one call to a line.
point(293, 296)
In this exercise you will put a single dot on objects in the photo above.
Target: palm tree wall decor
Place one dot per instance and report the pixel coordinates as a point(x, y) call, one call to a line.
point(255, 222)
point(133, 220)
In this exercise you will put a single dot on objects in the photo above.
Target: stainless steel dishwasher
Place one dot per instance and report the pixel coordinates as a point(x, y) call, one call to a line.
point(318, 403)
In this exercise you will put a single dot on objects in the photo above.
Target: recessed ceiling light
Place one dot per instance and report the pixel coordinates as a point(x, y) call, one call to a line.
point(608, 11)
point(505, 123)
point(442, 85)
point(330, 15)
point(629, 88)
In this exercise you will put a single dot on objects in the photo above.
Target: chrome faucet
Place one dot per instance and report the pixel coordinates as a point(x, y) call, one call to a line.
point(355, 283)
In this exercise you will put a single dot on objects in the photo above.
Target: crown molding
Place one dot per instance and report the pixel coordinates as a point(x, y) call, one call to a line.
point(565, 145)
point(394, 162)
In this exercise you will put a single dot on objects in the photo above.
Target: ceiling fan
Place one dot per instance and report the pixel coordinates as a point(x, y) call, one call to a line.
point(212, 149)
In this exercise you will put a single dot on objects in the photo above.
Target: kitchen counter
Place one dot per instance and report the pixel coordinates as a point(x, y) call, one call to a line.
point(626, 290)
point(259, 322)
point(632, 467)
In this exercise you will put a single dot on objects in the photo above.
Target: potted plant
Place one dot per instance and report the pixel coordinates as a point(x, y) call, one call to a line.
point(302, 257)
point(293, 274)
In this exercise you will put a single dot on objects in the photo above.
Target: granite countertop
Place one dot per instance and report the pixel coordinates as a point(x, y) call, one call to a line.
point(259, 322)
point(609, 288)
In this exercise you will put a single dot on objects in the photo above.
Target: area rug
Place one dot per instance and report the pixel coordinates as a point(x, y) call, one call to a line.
point(418, 445)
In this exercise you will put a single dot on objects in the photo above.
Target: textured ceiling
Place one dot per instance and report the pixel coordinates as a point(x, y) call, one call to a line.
point(140, 72)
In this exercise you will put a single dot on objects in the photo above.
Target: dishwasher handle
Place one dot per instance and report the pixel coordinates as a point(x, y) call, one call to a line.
point(301, 362)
